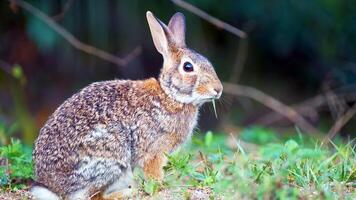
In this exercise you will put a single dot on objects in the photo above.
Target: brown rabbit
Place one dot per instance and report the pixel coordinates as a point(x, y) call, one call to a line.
point(94, 139)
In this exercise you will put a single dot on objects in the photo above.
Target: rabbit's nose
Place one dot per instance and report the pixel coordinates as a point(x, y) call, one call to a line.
point(218, 89)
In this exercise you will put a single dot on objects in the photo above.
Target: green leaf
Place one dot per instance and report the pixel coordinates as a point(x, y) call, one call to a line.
point(311, 153)
point(197, 175)
point(17, 71)
point(151, 186)
point(208, 139)
point(272, 151)
point(291, 146)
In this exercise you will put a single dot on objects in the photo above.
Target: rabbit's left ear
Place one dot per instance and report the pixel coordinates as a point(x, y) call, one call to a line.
point(177, 26)
point(160, 33)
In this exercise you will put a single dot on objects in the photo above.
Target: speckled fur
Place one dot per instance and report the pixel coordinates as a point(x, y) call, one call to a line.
point(109, 127)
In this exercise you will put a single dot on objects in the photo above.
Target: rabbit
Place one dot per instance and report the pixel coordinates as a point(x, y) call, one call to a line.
point(93, 140)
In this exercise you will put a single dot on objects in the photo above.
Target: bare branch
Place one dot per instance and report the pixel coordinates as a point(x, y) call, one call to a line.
point(64, 11)
point(242, 54)
point(272, 103)
point(213, 20)
point(74, 41)
point(6, 67)
point(337, 106)
point(307, 108)
point(341, 122)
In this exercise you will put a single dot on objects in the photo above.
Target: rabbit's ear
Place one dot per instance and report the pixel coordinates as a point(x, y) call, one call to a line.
point(177, 26)
point(160, 33)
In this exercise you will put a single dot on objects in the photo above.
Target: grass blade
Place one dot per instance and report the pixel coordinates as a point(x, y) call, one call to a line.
point(213, 102)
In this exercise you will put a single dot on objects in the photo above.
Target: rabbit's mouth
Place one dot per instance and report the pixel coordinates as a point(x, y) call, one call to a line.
point(216, 95)
point(209, 99)
point(216, 92)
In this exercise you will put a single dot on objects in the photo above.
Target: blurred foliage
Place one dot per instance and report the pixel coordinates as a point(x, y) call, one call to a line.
point(295, 47)
point(258, 135)
point(6, 131)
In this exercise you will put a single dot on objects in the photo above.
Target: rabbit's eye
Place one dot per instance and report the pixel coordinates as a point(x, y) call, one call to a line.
point(188, 67)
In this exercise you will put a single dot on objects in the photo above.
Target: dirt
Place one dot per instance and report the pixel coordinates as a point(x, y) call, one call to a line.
point(17, 195)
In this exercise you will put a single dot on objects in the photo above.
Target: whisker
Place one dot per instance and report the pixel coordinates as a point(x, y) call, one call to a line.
point(227, 99)
point(226, 103)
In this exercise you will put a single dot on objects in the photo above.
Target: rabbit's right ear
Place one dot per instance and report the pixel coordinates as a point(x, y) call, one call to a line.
point(177, 26)
point(159, 32)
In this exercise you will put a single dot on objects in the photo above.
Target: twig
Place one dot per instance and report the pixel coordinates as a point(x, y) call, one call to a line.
point(242, 54)
point(205, 161)
point(306, 108)
point(337, 107)
point(272, 103)
point(209, 18)
point(340, 123)
point(6, 67)
point(74, 41)
point(65, 9)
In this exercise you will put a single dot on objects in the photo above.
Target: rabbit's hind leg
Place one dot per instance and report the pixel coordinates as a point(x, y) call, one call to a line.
point(122, 188)
point(42, 193)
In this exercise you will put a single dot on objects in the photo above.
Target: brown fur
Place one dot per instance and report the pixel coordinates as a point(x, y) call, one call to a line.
point(153, 168)
point(201, 89)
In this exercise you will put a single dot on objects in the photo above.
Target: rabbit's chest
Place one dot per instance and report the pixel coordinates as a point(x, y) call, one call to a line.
point(174, 129)
point(161, 133)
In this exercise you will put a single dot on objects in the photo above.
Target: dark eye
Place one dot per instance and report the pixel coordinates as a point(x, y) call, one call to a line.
point(188, 67)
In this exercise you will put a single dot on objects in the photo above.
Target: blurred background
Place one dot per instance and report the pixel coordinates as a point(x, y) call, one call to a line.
point(302, 53)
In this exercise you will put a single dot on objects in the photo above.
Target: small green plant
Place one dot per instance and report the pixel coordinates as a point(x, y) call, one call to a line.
point(180, 163)
point(15, 165)
point(207, 178)
point(151, 186)
point(202, 174)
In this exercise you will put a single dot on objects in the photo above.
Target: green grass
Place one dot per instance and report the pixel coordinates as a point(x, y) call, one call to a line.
point(257, 164)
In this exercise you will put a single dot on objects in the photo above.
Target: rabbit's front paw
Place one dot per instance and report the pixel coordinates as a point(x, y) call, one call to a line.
point(153, 168)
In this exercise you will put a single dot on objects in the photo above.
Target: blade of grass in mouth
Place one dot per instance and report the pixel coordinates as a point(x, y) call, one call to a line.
point(213, 102)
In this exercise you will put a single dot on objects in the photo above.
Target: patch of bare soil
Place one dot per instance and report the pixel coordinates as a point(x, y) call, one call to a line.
point(18, 195)
point(167, 194)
